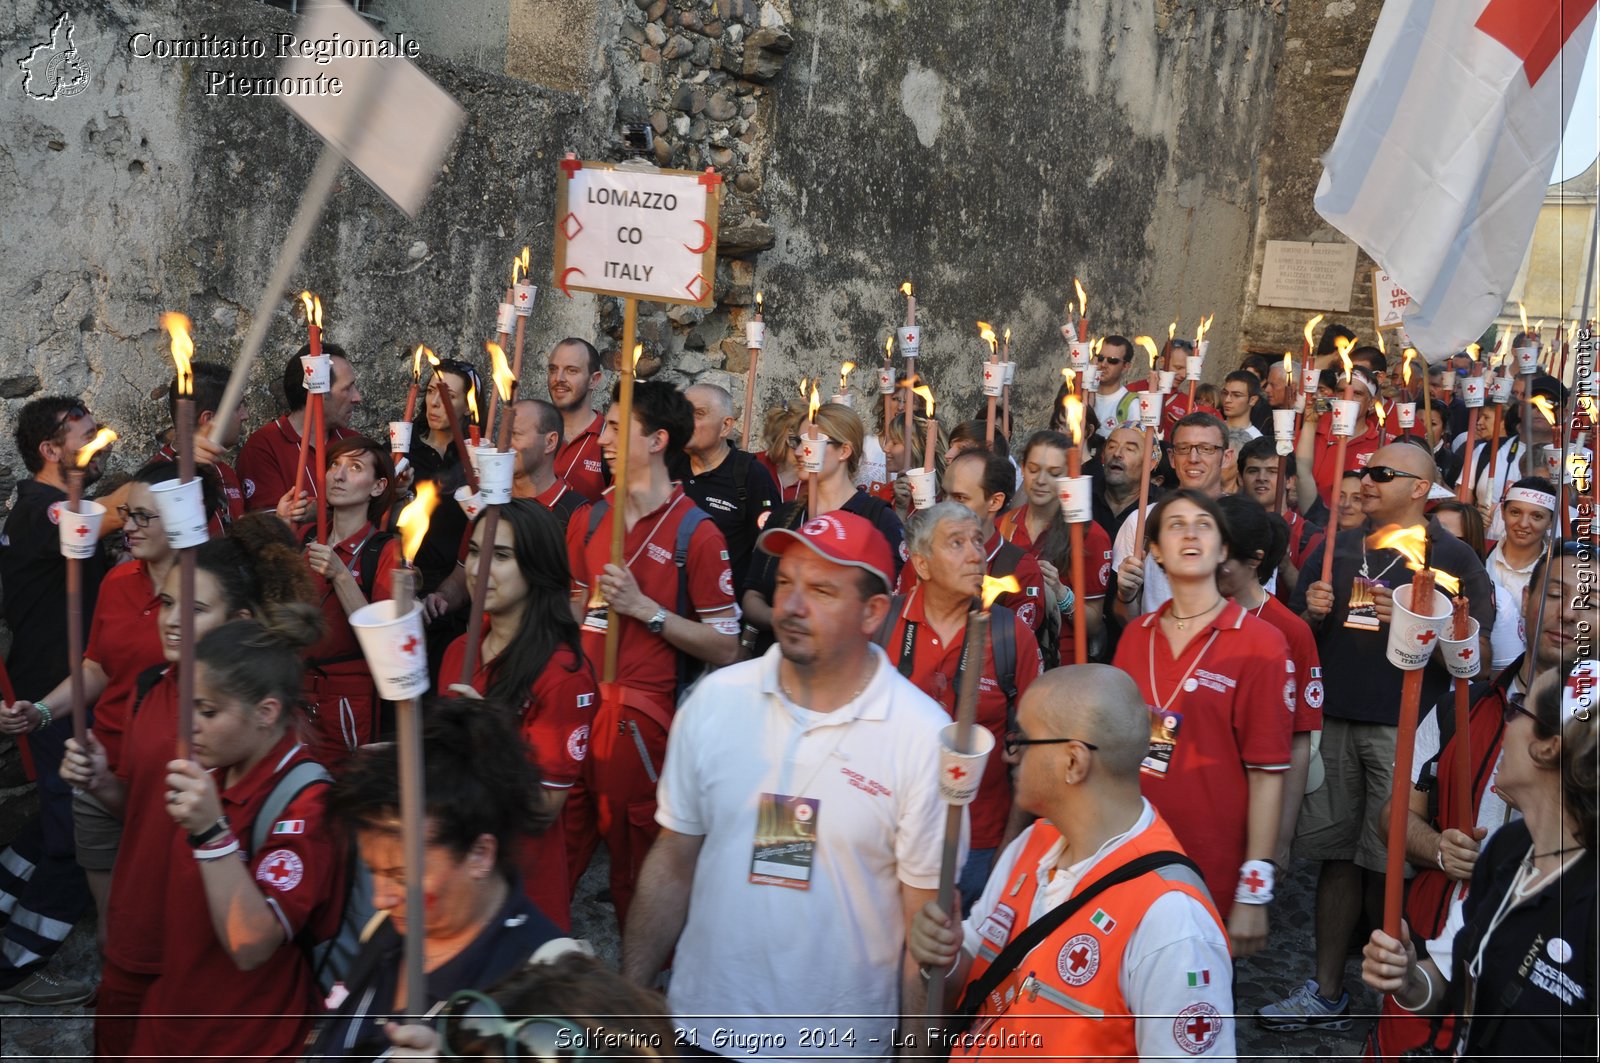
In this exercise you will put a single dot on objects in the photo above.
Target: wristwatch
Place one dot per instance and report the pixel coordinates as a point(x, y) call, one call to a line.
point(658, 621)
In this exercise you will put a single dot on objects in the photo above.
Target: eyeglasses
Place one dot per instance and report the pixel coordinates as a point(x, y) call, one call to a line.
point(139, 518)
point(473, 1026)
point(1516, 705)
point(1384, 474)
point(1105, 360)
point(1189, 450)
point(1014, 741)
point(795, 442)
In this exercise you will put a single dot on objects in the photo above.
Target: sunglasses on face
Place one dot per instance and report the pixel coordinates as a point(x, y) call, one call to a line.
point(1384, 474)
point(472, 1026)
point(1107, 360)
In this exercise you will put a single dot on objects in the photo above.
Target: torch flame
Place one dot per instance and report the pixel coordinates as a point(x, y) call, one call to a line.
point(1074, 408)
point(1311, 325)
point(1288, 366)
point(313, 308)
point(1094, 348)
point(906, 288)
point(519, 266)
point(1149, 346)
point(815, 403)
point(433, 359)
point(472, 403)
point(102, 439)
point(638, 353)
point(1523, 312)
point(416, 361)
point(1205, 327)
point(805, 387)
point(1405, 366)
point(1381, 348)
point(1473, 350)
point(761, 303)
point(500, 369)
point(1383, 415)
point(182, 349)
point(994, 588)
point(1411, 544)
point(844, 375)
point(986, 332)
point(1083, 300)
point(1344, 346)
point(1008, 337)
point(888, 349)
point(926, 394)
point(1542, 404)
point(1172, 330)
point(413, 519)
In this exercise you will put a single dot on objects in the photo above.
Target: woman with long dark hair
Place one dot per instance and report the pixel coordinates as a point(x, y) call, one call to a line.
point(531, 658)
point(1522, 970)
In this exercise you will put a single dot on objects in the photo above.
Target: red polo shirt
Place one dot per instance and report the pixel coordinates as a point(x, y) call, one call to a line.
point(649, 663)
point(931, 664)
point(203, 1005)
point(124, 641)
point(1218, 709)
point(556, 718)
point(338, 684)
point(1357, 453)
point(562, 494)
point(267, 462)
point(135, 913)
point(1096, 566)
point(579, 461)
point(1303, 656)
point(1028, 603)
point(232, 493)
point(792, 491)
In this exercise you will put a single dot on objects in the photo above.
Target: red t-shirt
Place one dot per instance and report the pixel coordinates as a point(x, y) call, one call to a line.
point(934, 665)
point(135, 913)
point(268, 462)
point(792, 491)
point(232, 493)
point(1096, 567)
point(267, 1012)
point(1028, 603)
point(1357, 453)
point(1307, 664)
point(646, 662)
point(579, 461)
point(1217, 710)
point(125, 641)
point(338, 638)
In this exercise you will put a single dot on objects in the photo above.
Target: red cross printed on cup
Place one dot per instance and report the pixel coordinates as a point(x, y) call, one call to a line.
point(522, 297)
point(957, 772)
point(1426, 637)
point(911, 337)
point(82, 529)
point(409, 646)
point(1466, 653)
point(1254, 882)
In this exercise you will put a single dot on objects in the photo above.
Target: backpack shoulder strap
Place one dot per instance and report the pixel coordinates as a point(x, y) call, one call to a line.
point(1003, 644)
point(369, 557)
point(680, 554)
point(739, 465)
point(1006, 559)
point(597, 513)
point(144, 684)
point(1017, 951)
point(295, 781)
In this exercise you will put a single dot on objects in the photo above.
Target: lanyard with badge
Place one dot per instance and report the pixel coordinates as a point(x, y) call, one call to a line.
point(1362, 612)
point(598, 614)
point(785, 846)
point(1164, 722)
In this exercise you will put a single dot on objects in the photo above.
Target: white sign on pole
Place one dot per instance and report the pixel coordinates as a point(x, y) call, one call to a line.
point(1389, 300)
point(638, 234)
point(389, 119)
point(1307, 275)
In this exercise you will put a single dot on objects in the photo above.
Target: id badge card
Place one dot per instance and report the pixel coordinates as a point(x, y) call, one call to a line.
point(785, 848)
point(597, 615)
point(1164, 727)
point(1363, 612)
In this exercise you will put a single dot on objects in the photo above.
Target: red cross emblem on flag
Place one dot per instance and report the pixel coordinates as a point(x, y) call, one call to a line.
point(1426, 637)
point(1534, 31)
point(1254, 882)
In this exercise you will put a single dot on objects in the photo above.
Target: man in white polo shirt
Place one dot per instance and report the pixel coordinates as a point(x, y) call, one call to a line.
point(801, 826)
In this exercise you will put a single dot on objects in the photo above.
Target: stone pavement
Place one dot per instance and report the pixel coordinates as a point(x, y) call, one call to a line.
point(30, 1034)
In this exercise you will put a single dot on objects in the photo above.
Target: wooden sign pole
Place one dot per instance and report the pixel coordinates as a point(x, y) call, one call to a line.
point(619, 496)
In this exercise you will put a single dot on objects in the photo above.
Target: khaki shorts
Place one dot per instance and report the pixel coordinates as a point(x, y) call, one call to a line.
point(96, 833)
point(1340, 819)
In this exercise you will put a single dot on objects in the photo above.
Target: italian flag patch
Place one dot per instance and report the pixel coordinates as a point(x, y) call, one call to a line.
point(289, 826)
point(1103, 922)
point(1199, 978)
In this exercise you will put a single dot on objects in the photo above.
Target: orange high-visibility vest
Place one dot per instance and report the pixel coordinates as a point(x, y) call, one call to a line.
point(1073, 972)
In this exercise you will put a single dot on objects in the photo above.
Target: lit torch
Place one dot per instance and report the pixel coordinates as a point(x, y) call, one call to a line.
point(925, 393)
point(75, 477)
point(986, 332)
point(1005, 384)
point(182, 343)
point(755, 338)
point(813, 502)
point(1083, 309)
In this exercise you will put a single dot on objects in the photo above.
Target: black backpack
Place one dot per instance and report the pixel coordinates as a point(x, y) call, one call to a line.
point(1002, 642)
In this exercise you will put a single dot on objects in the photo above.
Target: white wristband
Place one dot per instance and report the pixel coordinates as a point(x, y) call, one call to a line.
point(1427, 980)
point(1256, 879)
point(217, 854)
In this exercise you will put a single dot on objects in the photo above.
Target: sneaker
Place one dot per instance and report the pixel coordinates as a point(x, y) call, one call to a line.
point(43, 989)
point(1305, 1009)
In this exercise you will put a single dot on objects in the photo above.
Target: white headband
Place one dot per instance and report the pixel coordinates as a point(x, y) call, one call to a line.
point(1577, 696)
point(1532, 497)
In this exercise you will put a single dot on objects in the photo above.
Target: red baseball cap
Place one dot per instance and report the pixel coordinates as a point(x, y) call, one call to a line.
point(840, 537)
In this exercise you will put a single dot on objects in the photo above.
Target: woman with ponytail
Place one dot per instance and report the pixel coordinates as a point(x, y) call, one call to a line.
point(233, 911)
point(350, 570)
point(531, 659)
point(257, 568)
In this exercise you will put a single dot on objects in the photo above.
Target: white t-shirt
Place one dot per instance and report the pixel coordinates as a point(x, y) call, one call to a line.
point(1506, 639)
point(751, 953)
point(1176, 938)
point(1507, 575)
point(1105, 409)
point(874, 464)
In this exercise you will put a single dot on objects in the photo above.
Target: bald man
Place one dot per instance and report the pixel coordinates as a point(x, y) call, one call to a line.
point(1340, 822)
point(536, 440)
point(734, 489)
point(1143, 963)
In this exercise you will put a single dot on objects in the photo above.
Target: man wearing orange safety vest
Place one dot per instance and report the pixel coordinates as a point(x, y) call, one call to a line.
point(1095, 937)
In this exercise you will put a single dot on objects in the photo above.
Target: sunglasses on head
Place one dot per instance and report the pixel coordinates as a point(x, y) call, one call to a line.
point(1384, 474)
point(471, 1025)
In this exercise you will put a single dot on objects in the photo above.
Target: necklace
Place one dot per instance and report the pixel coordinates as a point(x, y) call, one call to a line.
point(1555, 852)
point(873, 671)
point(1183, 620)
